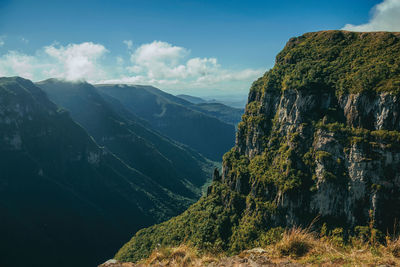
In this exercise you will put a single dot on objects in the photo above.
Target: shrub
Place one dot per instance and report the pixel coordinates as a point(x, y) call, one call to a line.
point(336, 237)
point(393, 246)
point(295, 242)
point(272, 236)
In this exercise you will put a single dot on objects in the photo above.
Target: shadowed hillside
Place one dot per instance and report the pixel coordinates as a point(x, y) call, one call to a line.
point(173, 117)
point(174, 166)
point(62, 194)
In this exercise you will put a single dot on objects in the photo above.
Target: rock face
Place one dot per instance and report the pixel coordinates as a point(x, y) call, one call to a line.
point(326, 148)
point(353, 161)
point(320, 137)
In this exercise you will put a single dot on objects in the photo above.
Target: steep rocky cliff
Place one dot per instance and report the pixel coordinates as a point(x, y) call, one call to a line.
point(320, 137)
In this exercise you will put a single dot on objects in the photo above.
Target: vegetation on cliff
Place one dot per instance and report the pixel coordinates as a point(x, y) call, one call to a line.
point(348, 62)
point(309, 146)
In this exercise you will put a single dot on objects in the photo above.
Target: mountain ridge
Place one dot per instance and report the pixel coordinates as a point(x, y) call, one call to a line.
point(173, 117)
point(192, 99)
point(171, 165)
point(61, 193)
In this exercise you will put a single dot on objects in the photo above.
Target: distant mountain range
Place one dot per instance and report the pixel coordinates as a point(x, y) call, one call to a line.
point(221, 111)
point(235, 101)
point(179, 168)
point(176, 118)
point(192, 99)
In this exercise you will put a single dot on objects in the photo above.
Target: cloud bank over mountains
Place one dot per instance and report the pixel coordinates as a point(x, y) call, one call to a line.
point(163, 64)
point(386, 17)
point(77, 61)
point(157, 63)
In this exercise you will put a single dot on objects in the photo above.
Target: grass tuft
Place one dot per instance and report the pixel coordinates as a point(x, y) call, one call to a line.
point(393, 247)
point(296, 242)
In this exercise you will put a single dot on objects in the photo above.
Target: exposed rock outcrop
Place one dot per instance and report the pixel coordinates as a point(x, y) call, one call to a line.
point(352, 141)
point(337, 143)
point(320, 137)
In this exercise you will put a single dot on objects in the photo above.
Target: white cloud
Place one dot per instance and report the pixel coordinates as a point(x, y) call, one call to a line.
point(71, 62)
point(18, 64)
point(119, 60)
point(15, 63)
point(163, 64)
point(201, 66)
point(158, 63)
point(158, 52)
point(2, 37)
point(77, 61)
point(129, 44)
point(386, 17)
point(159, 59)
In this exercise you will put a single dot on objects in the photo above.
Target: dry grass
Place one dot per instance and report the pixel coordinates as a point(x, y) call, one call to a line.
point(183, 255)
point(305, 247)
point(393, 246)
point(297, 245)
point(296, 242)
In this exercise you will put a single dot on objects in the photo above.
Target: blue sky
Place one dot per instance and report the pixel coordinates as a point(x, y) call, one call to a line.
point(198, 47)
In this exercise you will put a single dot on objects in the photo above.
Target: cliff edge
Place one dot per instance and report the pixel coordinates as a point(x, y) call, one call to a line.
point(320, 138)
